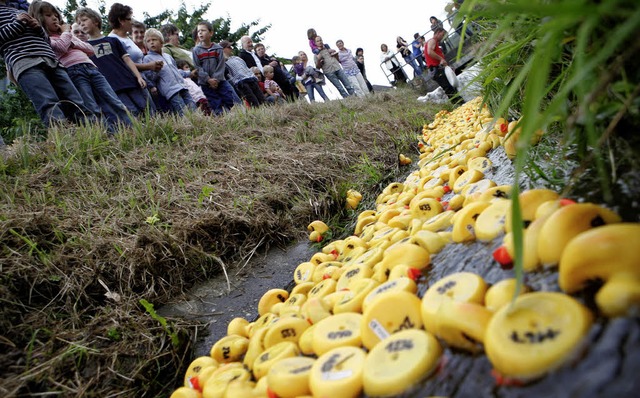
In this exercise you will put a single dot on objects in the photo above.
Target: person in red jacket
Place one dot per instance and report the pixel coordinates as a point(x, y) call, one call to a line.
point(436, 63)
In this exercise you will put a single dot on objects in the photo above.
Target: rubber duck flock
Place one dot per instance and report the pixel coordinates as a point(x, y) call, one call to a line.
point(354, 322)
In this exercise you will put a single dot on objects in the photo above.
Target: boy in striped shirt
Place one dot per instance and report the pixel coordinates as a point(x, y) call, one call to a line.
point(33, 65)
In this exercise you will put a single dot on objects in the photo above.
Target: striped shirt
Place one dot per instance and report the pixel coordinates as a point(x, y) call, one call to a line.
point(238, 69)
point(17, 41)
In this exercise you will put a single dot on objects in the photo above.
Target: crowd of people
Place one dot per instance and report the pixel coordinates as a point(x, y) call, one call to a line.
point(74, 72)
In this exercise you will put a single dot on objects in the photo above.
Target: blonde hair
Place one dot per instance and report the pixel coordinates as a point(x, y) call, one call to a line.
point(151, 32)
point(267, 68)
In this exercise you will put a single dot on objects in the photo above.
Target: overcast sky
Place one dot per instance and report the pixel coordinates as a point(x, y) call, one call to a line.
point(358, 23)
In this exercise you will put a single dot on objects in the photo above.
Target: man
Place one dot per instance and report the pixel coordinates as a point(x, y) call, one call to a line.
point(247, 54)
point(436, 63)
point(327, 60)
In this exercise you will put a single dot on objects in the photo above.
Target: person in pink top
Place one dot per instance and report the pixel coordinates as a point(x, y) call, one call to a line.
point(73, 54)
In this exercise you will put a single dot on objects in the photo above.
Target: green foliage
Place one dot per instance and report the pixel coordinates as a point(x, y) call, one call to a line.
point(186, 21)
point(567, 66)
point(175, 338)
point(17, 116)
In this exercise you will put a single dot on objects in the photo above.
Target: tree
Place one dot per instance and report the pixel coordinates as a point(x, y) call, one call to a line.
point(186, 21)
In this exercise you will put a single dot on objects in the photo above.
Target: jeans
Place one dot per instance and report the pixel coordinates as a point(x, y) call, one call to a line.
point(310, 86)
point(221, 99)
point(137, 100)
point(97, 94)
point(53, 94)
point(180, 100)
point(412, 62)
point(340, 79)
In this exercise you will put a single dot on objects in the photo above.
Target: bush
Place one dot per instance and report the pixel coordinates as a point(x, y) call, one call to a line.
point(17, 116)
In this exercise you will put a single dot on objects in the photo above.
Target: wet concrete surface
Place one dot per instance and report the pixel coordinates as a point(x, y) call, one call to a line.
point(607, 366)
point(217, 302)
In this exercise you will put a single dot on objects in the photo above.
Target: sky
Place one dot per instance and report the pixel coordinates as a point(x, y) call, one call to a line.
point(358, 23)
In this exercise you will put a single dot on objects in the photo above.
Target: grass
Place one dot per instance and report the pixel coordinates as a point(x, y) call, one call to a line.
point(568, 68)
point(92, 227)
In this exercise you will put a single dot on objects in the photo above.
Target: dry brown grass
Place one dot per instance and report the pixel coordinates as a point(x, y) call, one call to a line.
point(90, 226)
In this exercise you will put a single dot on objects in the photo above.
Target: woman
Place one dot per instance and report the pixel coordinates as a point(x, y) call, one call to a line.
point(312, 78)
point(348, 62)
point(404, 49)
point(391, 62)
point(121, 22)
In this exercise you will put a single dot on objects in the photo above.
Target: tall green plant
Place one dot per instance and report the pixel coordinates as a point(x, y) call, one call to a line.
point(567, 66)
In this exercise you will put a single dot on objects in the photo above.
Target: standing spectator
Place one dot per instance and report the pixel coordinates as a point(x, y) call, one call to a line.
point(436, 23)
point(312, 78)
point(241, 76)
point(114, 63)
point(436, 63)
point(404, 49)
point(32, 64)
point(417, 51)
point(391, 62)
point(279, 75)
point(73, 54)
point(120, 20)
point(360, 62)
point(168, 81)
point(209, 61)
point(171, 36)
point(137, 35)
point(327, 60)
point(350, 67)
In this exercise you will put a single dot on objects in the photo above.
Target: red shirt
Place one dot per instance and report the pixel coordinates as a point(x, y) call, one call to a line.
point(430, 60)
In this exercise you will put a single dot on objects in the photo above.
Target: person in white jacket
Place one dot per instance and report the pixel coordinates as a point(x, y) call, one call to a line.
point(392, 63)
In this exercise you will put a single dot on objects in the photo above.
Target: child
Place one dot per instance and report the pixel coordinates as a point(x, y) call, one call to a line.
point(194, 90)
point(270, 86)
point(97, 94)
point(33, 65)
point(209, 61)
point(168, 81)
point(241, 76)
point(311, 35)
point(115, 63)
point(312, 78)
point(258, 74)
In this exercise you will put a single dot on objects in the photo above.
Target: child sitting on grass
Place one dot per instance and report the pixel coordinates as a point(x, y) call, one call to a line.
point(270, 86)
